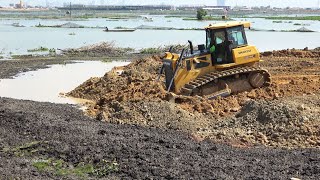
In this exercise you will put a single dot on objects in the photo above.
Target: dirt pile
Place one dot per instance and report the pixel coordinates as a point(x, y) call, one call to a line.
point(135, 97)
point(97, 50)
point(273, 123)
point(135, 82)
point(305, 53)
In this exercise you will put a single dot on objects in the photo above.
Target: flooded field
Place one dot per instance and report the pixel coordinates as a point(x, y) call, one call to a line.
point(18, 40)
point(47, 85)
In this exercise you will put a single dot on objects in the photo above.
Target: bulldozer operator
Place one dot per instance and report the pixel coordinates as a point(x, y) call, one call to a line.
point(218, 48)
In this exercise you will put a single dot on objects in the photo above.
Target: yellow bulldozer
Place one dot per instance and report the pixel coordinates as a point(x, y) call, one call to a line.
point(225, 65)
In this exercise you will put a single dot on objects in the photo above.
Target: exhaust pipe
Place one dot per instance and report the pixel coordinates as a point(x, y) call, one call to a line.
point(191, 46)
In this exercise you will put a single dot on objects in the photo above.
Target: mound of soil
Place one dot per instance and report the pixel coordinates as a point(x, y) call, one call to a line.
point(136, 82)
point(135, 97)
point(273, 123)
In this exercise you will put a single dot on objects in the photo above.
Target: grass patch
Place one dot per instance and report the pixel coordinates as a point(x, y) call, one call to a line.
point(312, 18)
point(276, 21)
point(119, 16)
point(41, 165)
point(61, 168)
point(40, 49)
point(150, 50)
point(207, 18)
point(83, 169)
point(25, 149)
point(177, 16)
point(161, 49)
point(85, 16)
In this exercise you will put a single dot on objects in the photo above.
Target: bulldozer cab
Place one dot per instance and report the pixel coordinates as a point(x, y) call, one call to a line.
point(224, 39)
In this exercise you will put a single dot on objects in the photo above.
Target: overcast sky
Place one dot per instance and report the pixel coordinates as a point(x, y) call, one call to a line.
point(273, 3)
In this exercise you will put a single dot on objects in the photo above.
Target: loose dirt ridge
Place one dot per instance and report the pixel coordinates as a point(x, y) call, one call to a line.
point(284, 114)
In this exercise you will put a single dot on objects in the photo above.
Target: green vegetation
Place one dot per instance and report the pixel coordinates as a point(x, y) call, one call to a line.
point(277, 21)
point(119, 16)
point(201, 13)
point(313, 18)
point(157, 50)
point(85, 16)
point(151, 50)
point(40, 49)
point(61, 168)
point(25, 149)
point(58, 166)
point(208, 18)
point(83, 169)
point(177, 16)
point(41, 165)
point(72, 34)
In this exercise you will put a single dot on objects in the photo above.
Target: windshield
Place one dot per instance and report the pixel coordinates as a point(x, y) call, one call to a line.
point(215, 37)
point(236, 36)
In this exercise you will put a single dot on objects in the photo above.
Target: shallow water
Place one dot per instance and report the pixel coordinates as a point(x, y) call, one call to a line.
point(17, 40)
point(45, 85)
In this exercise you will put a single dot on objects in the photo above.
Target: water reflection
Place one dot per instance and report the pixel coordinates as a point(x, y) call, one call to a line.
point(45, 85)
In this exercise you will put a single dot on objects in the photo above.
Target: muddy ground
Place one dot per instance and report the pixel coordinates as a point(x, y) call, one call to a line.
point(138, 131)
point(61, 135)
point(284, 114)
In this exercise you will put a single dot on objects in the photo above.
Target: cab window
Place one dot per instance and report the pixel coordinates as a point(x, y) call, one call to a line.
point(236, 36)
point(219, 37)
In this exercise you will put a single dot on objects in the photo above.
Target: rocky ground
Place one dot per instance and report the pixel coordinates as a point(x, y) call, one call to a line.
point(135, 130)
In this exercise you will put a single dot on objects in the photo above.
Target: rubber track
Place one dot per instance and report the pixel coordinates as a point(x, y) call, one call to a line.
point(200, 81)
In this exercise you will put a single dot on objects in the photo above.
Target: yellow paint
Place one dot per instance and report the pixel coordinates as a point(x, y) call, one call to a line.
point(229, 24)
point(246, 55)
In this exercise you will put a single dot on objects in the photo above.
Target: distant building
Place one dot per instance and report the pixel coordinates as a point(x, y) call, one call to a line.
point(20, 5)
point(221, 2)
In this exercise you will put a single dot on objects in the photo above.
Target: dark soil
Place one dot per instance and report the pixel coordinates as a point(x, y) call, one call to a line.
point(63, 133)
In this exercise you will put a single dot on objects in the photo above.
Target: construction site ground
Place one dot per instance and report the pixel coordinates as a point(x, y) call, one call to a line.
point(136, 130)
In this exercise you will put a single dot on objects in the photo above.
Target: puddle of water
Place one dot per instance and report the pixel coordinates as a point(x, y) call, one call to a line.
point(45, 85)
